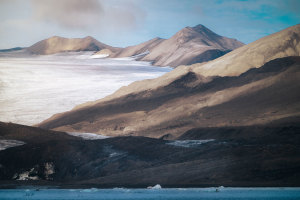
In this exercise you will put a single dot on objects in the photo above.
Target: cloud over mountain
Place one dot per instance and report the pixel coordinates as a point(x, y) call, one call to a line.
point(68, 13)
point(78, 14)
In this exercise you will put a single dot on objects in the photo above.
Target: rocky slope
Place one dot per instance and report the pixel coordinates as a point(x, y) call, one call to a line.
point(188, 46)
point(232, 156)
point(59, 44)
point(187, 97)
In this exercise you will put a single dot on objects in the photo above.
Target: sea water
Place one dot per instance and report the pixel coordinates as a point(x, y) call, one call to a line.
point(148, 194)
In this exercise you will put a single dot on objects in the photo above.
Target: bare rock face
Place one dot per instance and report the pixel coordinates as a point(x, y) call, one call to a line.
point(188, 46)
point(59, 44)
point(188, 98)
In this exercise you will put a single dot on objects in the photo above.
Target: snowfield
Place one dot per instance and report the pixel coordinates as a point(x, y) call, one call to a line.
point(33, 88)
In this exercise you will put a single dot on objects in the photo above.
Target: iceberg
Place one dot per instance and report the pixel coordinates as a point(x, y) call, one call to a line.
point(156, 187)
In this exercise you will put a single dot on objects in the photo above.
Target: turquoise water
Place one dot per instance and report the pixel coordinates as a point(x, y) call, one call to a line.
point(147, 194)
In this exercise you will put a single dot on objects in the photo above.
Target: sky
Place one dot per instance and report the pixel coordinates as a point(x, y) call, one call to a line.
point(128, 22)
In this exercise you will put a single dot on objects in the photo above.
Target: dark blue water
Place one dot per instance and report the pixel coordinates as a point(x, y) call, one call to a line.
point(146, 194)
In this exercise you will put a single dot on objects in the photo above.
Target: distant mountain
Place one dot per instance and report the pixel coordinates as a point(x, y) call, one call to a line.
point(59, 44)
point(255, 84)
point(188, 46)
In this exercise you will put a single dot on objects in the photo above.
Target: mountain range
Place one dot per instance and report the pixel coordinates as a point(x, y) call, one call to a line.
point(188, 46)
point(248, 86)
point(232, 121)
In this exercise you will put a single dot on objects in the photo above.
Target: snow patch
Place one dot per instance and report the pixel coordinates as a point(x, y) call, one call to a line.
point(189, 143)
point(88, 136)
point(5, 144)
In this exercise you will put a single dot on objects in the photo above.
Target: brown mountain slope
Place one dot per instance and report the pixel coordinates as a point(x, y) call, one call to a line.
point(188, 46)
point(258, 96)
point(59, 44)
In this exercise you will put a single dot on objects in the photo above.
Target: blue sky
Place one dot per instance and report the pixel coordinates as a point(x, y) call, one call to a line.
point(129, 22)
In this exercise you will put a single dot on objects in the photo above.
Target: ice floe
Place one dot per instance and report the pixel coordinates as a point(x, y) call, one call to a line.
point(189, 143)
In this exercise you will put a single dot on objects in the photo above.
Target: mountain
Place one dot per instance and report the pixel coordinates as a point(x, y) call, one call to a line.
point(188, 98)
point(188, 46)
point(232, 156)
point(60, 44)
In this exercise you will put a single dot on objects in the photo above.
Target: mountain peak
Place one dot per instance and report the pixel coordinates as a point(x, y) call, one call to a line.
point(199, 27)
point(89, 38)
point(196, 31)
point(203, 36)
point(202, 29)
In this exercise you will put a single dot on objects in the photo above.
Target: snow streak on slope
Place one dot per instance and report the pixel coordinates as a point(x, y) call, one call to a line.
point(32, 88)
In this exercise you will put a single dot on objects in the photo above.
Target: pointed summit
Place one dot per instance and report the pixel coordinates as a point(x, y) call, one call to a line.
point(201, 28)
point(201, 35)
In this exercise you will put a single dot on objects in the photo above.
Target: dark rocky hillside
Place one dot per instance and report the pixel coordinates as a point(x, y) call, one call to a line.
point(232, 156)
